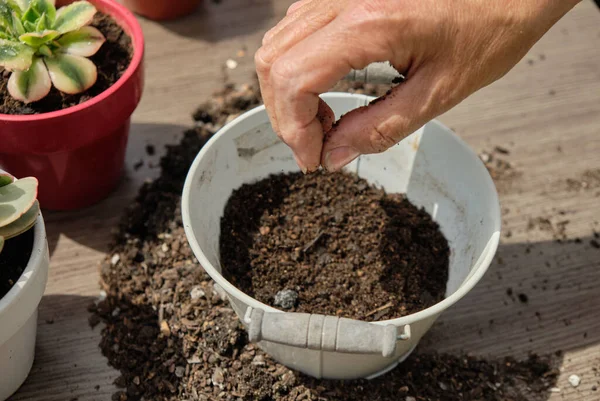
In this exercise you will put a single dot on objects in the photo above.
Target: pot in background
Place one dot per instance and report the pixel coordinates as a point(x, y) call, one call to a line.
point(18, 316)
point(78, 153)
point(162, 10)
point(433, 167)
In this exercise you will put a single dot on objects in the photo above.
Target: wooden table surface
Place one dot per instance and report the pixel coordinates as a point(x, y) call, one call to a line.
point(546, 112)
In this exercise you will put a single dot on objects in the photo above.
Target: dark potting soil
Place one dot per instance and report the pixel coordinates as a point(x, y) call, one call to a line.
point(112, 60)
point(334, 242)
point(173, 338)
point(14, 259)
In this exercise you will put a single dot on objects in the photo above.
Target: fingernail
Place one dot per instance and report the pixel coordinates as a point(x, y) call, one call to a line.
point(337, 158)
point(301, 165)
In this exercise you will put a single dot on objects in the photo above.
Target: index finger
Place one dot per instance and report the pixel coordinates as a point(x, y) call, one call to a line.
point(309, 68)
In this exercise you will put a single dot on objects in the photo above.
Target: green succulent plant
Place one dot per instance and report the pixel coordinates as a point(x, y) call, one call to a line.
point(43, 46)
point(19, 207)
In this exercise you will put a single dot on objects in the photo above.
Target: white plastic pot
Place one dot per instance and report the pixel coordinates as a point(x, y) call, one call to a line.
point(433, 167)
point(18, 316)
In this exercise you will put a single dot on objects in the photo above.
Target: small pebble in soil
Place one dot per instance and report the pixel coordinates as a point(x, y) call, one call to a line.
point(286, 299)
point(196, 293)
point(523, 298)
point(574, 380)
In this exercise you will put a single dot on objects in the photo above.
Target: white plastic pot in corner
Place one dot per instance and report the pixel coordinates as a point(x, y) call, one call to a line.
point(436, 170)
point(18, 316)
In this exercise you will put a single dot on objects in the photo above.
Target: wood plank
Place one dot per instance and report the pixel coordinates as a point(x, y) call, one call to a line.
point(551, 101)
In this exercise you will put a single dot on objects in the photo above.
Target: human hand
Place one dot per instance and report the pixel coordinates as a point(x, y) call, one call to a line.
point(446, 49)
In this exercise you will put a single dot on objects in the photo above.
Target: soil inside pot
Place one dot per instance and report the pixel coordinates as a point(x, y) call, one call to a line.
point(14, 259)
point(332, 244)
point(112, 60)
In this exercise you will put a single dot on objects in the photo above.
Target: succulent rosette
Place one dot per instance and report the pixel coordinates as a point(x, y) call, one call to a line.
point(19, 207)
point(43, 46)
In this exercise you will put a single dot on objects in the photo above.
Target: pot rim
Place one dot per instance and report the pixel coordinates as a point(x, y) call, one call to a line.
point(127, 18)
point(481, 265)
point(35, 264)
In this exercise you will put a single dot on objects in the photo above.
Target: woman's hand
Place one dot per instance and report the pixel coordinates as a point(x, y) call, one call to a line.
point(447, 49)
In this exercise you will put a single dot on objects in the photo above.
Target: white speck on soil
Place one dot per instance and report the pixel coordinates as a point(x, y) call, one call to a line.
point(101, 297)
point(218, 377)
point(194, 360)
point(196, 293)
point(115, 259)
point(574, 380)
point(554, 390)
point(231, 64)
point(258, 360)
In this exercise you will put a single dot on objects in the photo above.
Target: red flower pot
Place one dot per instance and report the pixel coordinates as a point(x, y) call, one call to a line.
point(160, 10)
point(78, 153)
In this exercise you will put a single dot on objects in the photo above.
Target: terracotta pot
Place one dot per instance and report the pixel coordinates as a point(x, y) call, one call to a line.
point(161, 10)
point(78, 153)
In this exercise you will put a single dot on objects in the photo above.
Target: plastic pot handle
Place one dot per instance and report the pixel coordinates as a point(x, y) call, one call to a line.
point(326, 333)
point(375, 73)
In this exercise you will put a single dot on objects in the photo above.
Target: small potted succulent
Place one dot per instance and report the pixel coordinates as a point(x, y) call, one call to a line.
point(23, 274)
point(70, 78)
point(162, 10)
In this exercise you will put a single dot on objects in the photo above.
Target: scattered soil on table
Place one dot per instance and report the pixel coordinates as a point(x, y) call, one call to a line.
point(112, 60)
point(590, 179)
point(173, 338)
point(14, 259)
point(343, 246)
point(558, 228)
point(502, 171)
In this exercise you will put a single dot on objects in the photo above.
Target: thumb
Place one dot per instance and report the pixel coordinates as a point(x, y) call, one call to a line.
point(378, 126)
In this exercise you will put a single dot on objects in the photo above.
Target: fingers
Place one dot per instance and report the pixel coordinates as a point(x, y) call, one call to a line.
point(307, 69)
point(304, 10)
point(297, 5)
point(305, 21)
point(307, 142)
point(296, 30)
point(307, 148)
point(379, 126)
point(325, 115)
point(265, 55)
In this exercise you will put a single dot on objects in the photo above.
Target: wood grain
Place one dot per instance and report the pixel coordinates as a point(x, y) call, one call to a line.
point(550, 100)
